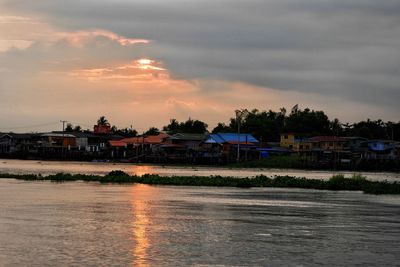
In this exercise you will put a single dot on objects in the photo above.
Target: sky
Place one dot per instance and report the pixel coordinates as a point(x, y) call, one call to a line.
point(144, 62)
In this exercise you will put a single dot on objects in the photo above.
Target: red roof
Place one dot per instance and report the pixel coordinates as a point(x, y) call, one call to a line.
point(133, 140)
point(326, 139)
point(156, 139)
point(151, 139)
point(117, 143)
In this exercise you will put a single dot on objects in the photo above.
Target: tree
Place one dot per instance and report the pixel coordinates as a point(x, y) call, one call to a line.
point(189, 126)
point(336, 127)
point(77, 128)
point(125, 132)
point(69, 128)
point(172, 127)
point(222, 128)
point(370, 129)
point(152, 131)
point(102, 121)
point(308, 122)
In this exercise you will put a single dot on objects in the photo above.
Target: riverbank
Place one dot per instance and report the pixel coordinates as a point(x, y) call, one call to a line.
point(101, 168)
point(337, 182)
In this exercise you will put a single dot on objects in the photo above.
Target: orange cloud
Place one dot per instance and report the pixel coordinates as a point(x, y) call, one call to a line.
point(140, 69)
point(80, 38)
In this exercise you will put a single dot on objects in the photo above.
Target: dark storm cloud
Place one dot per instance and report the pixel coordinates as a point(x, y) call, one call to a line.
point(346, 48)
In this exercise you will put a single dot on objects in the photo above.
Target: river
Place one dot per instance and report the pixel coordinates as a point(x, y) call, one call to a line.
point(90, 224)
point(101, 168)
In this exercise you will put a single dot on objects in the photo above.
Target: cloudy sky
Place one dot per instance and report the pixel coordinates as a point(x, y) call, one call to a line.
point(142, 62)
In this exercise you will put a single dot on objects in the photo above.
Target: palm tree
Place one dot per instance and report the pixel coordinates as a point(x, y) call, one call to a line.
point(102, 121)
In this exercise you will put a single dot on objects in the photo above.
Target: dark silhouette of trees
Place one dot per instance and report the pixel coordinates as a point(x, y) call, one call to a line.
point(222, 128)
point(77, 128)
point(307, 122)
point(152, 131)
point(377, 129)
point(69, 128)
point(268, 125)
point(125, 132)
point(102, 121)
point(189, 126)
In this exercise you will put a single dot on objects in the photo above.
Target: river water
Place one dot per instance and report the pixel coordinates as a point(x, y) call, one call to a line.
point(101, 168)
point(89, 224)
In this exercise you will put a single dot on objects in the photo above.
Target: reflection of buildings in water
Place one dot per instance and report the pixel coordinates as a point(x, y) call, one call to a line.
point(140, 222)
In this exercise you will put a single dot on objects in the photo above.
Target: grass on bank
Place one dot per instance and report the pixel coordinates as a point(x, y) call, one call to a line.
point(337, 182)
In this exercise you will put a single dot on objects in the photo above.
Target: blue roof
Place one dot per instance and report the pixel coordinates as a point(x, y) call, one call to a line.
point(221, 138)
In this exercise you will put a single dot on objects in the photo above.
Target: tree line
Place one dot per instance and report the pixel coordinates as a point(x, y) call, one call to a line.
point(268, 125)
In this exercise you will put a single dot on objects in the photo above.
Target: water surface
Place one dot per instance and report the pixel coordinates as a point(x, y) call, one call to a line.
point(89, 224)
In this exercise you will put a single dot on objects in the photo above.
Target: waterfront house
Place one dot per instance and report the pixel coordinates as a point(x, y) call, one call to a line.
point(330, 143)
point(184, 147)
point(296, 143)
point(145, 147)
point(226, 145)
point(19, 144)
point(329, 151)
point(379, 149)
point(58, 140)
point(188, 140)
point(353, 143)
point(117, 148)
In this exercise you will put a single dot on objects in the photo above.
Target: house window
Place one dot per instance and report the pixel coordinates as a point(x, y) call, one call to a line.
point(301, 146)
point(286, 137)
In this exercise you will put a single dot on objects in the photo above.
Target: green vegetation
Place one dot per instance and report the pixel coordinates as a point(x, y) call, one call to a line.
point(189, 126)
point(291, 161)
point(337, 182)
point(267, 125)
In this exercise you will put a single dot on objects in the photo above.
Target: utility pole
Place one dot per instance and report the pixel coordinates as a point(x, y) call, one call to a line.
point(240, 114)
point(63, 123)
point(62, 147)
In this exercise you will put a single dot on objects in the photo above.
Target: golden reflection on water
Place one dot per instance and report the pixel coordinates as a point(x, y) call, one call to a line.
point(140, 223)
point(140, 170)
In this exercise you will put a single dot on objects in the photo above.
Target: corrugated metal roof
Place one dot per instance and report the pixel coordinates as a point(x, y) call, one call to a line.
point(151, 139)
point(221, 138)
point(58, 135)
point(188, 136)
point(116, 143)
point(156, 139)
point(133, 140)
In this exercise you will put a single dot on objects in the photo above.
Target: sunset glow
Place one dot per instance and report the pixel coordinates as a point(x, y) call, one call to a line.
point(131, 63)
point(144, 61)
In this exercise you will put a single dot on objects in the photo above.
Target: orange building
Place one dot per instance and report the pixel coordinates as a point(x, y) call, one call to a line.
point(59, 140)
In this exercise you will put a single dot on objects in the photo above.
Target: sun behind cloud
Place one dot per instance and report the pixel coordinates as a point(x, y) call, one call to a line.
point(144, 61)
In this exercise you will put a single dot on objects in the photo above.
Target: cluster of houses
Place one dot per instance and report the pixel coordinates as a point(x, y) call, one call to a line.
point(343, 152)
point(101, 144)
